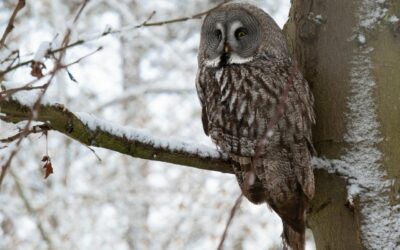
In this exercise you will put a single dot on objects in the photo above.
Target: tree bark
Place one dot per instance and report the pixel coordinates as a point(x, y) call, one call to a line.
point(332, 40)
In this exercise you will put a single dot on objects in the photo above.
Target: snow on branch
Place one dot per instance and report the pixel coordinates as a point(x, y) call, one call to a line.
point(92, 131)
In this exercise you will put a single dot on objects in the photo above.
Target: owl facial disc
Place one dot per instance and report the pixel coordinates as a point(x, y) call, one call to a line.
point(232, 37)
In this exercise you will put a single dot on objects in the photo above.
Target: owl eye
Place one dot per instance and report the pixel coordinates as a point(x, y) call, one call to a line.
point(241, 32)
point(218, 34)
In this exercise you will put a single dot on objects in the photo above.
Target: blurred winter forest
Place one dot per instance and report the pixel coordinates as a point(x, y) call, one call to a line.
point(141, 77)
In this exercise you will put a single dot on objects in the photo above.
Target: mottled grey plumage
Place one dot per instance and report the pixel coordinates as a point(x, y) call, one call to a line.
point(244, 71)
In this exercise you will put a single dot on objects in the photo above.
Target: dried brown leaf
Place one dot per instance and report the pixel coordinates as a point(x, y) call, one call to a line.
point(37, 69)
point(48, 169)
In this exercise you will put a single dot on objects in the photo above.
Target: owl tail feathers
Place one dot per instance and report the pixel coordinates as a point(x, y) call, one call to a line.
point(292, 239)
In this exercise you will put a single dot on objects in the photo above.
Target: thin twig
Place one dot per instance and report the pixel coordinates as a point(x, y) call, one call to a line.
point(26, 87)
point(181, 19)
point(81, 58)
point(34, 130)
point(11, 68)
point(94, 152)
point(80, 10)
point(10, 56)
point(10, 25)
point(228, 223)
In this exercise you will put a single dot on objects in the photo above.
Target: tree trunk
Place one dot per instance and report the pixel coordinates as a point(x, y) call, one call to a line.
point(350, 54)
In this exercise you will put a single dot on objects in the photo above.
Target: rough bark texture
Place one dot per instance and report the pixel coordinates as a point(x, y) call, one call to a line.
point(320, 32)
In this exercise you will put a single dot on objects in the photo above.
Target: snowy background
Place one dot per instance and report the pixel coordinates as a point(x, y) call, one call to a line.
point(142, 78)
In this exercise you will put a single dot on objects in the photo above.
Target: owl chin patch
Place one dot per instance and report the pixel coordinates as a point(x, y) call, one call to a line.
point(232, 58)
point(236, 59)
point(227, 59)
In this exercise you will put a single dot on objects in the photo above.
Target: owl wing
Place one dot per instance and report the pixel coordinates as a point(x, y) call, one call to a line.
point(303, 169)
point(303, 149)
point(200, 93)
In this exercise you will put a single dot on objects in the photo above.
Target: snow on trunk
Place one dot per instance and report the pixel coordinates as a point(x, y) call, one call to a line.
point(380, 223)
point(362, 162)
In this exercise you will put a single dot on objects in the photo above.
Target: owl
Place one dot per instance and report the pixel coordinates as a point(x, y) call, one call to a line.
point(257, 108)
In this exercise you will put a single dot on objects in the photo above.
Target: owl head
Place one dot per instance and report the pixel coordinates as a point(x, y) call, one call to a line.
point(238, 33)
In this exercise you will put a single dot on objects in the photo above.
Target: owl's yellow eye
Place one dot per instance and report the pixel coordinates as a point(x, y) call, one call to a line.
point(240, 33)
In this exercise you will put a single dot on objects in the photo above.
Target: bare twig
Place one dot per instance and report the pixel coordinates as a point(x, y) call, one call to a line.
point(94, 152)
point(11, 57)
point(147, 22)
point(228, 223)
point(78, 14)
point(180, 19)
point(11, 68)
point(26, 87)
point(34, 130)
point(81, 58)
point(10, 25)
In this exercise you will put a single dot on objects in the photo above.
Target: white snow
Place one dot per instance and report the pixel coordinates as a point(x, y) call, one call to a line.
point(139, 135)
point(394, 19)
point(318, 17)
point(370, 13)
point(361, 38)
point(41, 52)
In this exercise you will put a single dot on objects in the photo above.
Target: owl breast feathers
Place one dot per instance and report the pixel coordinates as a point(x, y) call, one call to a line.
point(245, 76)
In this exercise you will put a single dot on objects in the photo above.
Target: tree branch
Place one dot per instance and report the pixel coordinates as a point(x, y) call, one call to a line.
point(94, 132)
point(10, 25)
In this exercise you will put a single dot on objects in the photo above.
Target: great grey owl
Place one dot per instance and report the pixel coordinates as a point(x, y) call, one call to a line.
point(251, 90)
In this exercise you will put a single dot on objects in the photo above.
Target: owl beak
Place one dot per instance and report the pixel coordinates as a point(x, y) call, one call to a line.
point(227, 48)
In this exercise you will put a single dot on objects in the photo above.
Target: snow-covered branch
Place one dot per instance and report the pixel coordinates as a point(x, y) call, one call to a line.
point(92, 131)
